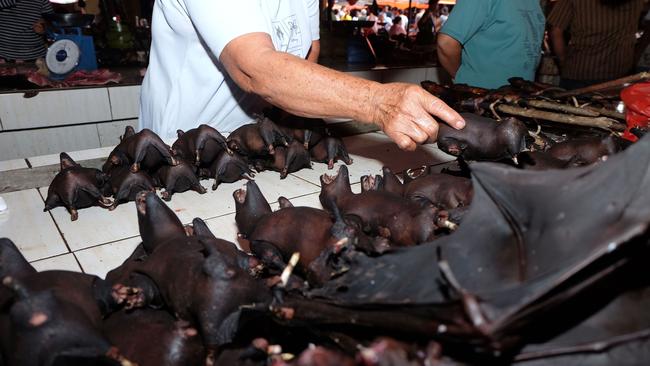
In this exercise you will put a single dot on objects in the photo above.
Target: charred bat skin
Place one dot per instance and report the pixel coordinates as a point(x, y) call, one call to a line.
point(288, 159)
point(36, 305)
point(76, 187)
point(541, 262)
point(383, 213)
point(440, 190)
point(139, 150)
point(330, 150)
point(124, 185)
point(258, 139)
point(484, 138)
point(178, 178)
point(229, 169)
point(201, 145)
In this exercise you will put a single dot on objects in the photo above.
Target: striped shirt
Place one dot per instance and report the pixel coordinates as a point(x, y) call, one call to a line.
point(18, 41)
point(602, 37)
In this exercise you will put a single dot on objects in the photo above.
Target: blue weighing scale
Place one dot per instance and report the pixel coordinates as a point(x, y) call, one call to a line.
point(71, 49)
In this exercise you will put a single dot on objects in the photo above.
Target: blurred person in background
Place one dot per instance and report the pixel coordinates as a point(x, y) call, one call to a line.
point(22, 29)
point(642, 58)
point(397, 30)
point(428, 25)
point(486, 42)
point(405, 19)
point(601, 43)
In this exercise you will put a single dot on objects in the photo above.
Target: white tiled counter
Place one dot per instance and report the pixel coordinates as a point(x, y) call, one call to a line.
point(100, 239)
point(54, 120)
point(72, 119)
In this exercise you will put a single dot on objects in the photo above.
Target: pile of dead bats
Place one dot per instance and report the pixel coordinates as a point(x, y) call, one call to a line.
point(488, 265)
point(142, 161)
point(540, 105)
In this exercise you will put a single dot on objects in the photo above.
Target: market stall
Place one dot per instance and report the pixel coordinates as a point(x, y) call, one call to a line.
point(520, 237)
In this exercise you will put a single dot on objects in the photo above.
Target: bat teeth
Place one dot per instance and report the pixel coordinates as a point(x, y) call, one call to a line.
point(240, 195)
point(328, 179)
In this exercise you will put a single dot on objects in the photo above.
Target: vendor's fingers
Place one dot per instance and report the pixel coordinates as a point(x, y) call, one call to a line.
point(403, 141)
point(415, 132)
point(429, 126)
point(441, 110)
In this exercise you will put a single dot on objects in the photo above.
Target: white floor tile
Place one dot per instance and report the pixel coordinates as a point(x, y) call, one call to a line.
point(102, 259)
point(12, 164)
point(189, 205)
point(224, 227)
point(64, 262)
point(96, 225)
point(371, 152)
point(78, 156)
point(273, 187)
point(31, 229)
point(356, 187)
point(310, 200)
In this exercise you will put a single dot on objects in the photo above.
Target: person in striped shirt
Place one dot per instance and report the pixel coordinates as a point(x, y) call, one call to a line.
point(602, 39)
point(22, 28)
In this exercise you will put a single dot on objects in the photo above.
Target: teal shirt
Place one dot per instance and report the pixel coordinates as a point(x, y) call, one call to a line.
point(501, 39)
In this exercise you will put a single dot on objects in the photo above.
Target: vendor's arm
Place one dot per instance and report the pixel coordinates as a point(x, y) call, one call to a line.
point(314, 52)
point(559, 21)
point(449, 53)
point(558, 43)
point(303, 88)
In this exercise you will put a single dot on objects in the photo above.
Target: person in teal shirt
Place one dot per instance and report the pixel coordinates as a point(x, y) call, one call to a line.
point(486, 42)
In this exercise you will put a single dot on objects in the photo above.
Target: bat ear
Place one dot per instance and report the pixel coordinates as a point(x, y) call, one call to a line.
point(179, 133)
point(128, 132)
point(284, 202)
point(67, 161)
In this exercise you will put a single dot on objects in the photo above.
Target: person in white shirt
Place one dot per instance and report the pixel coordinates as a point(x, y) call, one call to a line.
point(209, 67)
point(405, 19)
point(388, 22)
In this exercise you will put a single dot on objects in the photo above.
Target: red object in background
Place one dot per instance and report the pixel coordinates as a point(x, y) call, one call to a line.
point(77, 78)
point(637, 105)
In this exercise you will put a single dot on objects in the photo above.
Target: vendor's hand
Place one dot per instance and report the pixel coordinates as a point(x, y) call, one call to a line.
point(39, 26)
point(404, 112)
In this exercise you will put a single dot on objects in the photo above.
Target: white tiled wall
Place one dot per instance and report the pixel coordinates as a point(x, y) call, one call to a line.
point(12, 164)
point(110, 132)
point(21, 144)
point(53, 108)
point(125, 101)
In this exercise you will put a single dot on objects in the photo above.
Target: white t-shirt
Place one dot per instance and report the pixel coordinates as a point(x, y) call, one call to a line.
point(185, 84)
point(405, 20)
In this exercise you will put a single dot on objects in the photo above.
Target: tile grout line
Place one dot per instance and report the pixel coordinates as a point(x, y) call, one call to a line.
point(56, 224)
point(70, 251)
point(78, 263)
point(108, 242)
point(305, 180)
